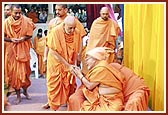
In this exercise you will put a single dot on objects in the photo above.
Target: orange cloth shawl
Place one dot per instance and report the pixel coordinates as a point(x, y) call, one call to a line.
point(17, 56)
point(61, 84)
point(84, 66)
point(106, 75)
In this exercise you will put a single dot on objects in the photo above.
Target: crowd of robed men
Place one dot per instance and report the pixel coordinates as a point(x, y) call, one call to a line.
point(103, 83)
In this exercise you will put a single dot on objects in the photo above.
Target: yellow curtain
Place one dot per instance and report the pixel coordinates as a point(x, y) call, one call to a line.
point(144, 47)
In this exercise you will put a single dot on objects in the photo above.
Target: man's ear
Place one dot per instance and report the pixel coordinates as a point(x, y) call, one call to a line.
point(66, 10)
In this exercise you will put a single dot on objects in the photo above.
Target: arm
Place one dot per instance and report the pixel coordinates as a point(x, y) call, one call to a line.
point(79, 56)
point(26, 37)
point(59, 57)
point(88, 84)
point(45, 54)
point(15, 40)
point(7, 39)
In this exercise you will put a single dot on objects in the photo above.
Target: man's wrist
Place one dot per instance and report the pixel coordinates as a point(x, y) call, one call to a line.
point(81, 77)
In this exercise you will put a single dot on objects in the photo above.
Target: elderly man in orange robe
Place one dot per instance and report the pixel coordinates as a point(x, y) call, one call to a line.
point(104, 32)
point(61, 13)
point(102, 86)
point(108, 87)
point(17, 56)
point(63, 42)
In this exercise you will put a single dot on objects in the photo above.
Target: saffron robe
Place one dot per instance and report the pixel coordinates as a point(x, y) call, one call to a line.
point(136, 92)
point(39, 45)
point(17, 56)
point(103, 34)
point(60, 82)
point(91, 100)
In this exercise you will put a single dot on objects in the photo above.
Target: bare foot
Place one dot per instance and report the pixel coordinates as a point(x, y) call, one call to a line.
point(27, 95)
point(17, 101)
point(46, 106)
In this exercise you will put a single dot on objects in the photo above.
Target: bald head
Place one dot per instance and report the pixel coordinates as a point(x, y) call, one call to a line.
point(104, 13)
point(69, 24)
point(70, 20)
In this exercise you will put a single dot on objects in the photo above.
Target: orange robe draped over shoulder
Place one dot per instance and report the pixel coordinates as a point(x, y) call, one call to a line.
point(17, 56)
point(61, 84)
point(84, 66)
point(105, 75)
point(56, 21)
point(39, 45)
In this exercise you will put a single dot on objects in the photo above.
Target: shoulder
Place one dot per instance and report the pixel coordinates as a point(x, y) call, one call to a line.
point(26, 18)
point(52, 21)
point(101, 66)
point(56, 29)
point(97, 19)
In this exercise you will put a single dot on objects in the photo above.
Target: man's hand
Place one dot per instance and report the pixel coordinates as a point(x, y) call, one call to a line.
point(45, 60)
point(15, 40)
point(76, 71)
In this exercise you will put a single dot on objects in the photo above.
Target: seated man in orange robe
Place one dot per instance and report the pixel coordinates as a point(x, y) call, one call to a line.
point(17, 56)
point(103, 33)
point(39, 46)
point(102, 86)
point(63, 41)
point(135, 93)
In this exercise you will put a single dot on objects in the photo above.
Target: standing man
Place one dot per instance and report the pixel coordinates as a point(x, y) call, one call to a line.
point(39, 46)
point(103, 33)
point(61, 12)
point(17, 56)
point(63, 41)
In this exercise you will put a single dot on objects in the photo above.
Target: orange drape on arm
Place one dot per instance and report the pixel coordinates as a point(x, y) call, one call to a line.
point(84, 66)
point(61, 84)
point(17, 56)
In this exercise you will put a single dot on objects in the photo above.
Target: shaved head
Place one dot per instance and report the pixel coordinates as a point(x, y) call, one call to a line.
point(104, 9)
point(104, 13)
point(70, 20)
point(69, 24)
point(8, 10)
